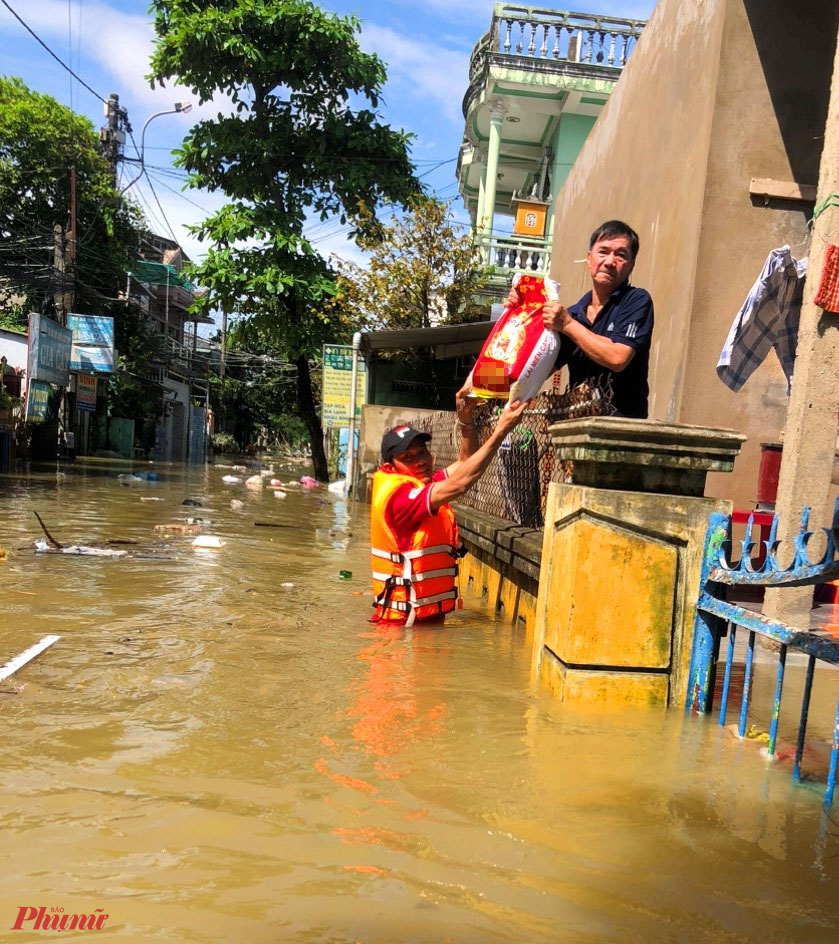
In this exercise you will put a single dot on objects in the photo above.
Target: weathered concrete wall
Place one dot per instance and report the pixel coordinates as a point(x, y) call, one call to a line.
point(770, 108)
point(619, 576)
point(645, 162)
point(717, 92)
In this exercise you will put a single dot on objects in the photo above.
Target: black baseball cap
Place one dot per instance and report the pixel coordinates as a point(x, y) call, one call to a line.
point(395, 441)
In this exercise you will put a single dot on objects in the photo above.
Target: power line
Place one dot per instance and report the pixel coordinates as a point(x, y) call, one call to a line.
point(181, 195)
point(59, 61)
point(145, 174)
point(160, 207)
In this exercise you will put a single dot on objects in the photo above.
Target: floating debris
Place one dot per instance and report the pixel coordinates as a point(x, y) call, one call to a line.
point(178, 527)
point(209, 542)
point(236, 504)
point(231, 479)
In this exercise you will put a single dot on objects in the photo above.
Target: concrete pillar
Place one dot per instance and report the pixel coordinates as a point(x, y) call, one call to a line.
point(621, 558)
point(497, 111)
point(571, 133)
point(482, 186)
point(810, 431)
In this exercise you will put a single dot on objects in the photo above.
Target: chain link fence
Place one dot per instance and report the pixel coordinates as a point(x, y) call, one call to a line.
point(515, 486)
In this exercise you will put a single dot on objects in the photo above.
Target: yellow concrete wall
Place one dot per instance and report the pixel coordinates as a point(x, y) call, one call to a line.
point(621, 610)
point(620, 572)
point(604, 689)
point(716, 92)
point(487, 583)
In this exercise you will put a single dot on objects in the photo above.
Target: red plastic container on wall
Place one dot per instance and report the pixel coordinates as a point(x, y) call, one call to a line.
point(768, 473)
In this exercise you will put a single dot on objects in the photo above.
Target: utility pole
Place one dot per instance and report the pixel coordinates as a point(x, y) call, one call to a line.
point(221, 367)
point(59, 266)
point(64, 251)
point(111, 135)
point(223, 341)
point(70, 253)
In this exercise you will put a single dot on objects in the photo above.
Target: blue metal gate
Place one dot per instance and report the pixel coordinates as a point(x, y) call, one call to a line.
point(716, 618)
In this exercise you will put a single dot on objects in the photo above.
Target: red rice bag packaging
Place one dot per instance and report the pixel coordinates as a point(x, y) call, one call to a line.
point(520, 352)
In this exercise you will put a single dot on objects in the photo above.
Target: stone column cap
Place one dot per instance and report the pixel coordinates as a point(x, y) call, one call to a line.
point(616, 439)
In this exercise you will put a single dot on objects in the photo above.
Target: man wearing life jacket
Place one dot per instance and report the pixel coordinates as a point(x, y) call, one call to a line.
point(413, 533)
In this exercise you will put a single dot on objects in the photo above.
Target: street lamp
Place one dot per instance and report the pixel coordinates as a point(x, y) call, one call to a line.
point(178, 108)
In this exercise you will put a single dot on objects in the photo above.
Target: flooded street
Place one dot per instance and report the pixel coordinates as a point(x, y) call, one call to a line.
point(220, 748)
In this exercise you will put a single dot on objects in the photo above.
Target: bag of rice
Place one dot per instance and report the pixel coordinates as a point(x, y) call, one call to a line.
point(520, 352)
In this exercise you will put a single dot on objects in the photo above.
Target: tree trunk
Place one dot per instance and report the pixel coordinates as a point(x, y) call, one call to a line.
point(308, 414)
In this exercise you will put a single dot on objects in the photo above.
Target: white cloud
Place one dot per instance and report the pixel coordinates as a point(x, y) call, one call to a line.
point(422, 70)
point(115, 44)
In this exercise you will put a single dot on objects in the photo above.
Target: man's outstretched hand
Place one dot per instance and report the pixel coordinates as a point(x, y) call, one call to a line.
point(511, 414)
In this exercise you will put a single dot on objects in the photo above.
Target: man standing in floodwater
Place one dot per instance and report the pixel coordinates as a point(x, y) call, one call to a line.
point(606, 335)
point(413, 532)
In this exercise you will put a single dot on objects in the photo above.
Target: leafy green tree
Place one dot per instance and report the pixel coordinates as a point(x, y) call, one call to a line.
point(422, 271)
point(40, 140)
point(266, 390)
point(301, 137)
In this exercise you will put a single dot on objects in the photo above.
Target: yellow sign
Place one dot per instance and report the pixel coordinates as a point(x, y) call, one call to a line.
point(337, 386)
point(531, 216)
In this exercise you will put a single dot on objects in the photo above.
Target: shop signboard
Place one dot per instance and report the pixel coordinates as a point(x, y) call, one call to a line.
point(86, 392)
point(36, 401)
point(49, 350)
point(93, 343)
point(337, 385)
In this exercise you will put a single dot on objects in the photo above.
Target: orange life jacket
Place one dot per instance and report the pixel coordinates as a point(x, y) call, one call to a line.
point(419, 582)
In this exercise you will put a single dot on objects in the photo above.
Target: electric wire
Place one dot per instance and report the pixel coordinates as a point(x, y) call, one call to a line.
point(63, 64)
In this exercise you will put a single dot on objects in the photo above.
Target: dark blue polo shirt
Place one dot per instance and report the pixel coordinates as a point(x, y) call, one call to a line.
point(627, 318)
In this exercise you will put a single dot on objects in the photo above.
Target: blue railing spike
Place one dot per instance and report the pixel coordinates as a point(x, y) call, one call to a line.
point(802, 724)
point(776, 704)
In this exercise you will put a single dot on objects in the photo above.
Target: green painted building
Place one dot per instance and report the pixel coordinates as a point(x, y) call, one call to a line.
point(538, 79)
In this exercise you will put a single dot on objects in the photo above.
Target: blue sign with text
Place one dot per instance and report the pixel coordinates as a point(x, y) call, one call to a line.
point(93, 343)
point(49, 350)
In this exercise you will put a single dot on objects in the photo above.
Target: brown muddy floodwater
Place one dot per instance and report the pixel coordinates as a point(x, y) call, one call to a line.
point(220, 748)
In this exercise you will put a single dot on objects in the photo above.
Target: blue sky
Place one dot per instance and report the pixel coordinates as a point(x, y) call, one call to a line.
point(426, 47)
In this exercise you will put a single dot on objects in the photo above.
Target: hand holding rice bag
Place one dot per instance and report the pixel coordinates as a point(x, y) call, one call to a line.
point(520, 352)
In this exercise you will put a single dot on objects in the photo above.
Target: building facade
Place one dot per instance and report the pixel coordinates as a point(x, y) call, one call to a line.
point(538, 79)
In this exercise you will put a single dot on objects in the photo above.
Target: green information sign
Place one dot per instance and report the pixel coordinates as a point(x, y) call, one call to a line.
point(337, 385)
